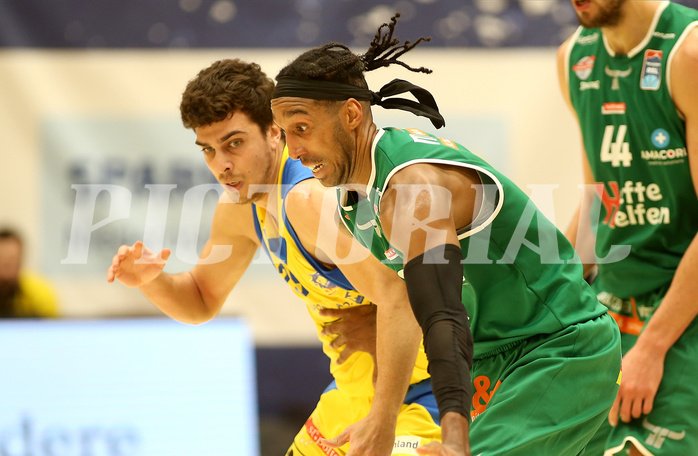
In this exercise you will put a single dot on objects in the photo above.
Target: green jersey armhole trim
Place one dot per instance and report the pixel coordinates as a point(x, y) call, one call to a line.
point(372, 177)
point(342, 200)
point(500, 190)
point(689, 28)
point(344, 222)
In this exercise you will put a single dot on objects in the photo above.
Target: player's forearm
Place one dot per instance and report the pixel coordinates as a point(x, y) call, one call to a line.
point(398, 337)
point(178, 296)
point(454, 433)
point(678, 308)
point(435, 291)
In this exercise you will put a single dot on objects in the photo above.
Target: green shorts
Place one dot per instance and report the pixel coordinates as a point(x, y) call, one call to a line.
point(671, 428)
point(548, 395)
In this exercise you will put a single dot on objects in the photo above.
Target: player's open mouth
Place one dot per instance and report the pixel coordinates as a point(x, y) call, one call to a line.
point(316, 168)
point(234, 185)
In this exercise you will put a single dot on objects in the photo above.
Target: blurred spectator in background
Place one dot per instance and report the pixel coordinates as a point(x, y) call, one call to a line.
point(23, 294)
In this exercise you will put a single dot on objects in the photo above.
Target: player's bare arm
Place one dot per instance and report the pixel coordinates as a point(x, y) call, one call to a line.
point(643, 365)
point(430, 189)
point(447, 197)
point(194, 296)
point(579, 230)
point(311, 209)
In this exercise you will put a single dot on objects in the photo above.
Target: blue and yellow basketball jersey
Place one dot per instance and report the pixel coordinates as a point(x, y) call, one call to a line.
point(319, 286)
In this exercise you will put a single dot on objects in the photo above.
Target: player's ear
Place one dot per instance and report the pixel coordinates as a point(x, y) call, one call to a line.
point(352, 113)
point(274, 133)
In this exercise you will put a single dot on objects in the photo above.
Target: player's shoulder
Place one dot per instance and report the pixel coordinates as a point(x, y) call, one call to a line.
point(566, 45)
point(684, 64)
point(562, 49)
point(684, 67)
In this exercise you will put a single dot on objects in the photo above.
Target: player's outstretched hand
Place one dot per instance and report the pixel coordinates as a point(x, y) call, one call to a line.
point(366, 437)
point(136, 265)
point(355, 329)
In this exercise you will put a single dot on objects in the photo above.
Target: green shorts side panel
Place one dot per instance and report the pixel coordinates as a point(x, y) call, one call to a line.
point(548, 395)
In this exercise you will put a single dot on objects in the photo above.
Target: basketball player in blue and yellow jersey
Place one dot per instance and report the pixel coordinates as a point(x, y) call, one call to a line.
point(274, 203)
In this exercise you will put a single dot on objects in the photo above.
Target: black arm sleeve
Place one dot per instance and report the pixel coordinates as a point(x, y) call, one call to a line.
point(434, 284)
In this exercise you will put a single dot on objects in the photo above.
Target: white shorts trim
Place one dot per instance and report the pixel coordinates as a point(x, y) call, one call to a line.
point(615, 450)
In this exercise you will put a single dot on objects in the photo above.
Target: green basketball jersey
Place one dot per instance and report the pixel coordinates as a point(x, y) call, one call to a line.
point(517, 278)
point(635, 141)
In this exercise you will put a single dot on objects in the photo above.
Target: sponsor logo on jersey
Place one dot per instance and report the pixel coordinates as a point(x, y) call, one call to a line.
point(616, 74)
point(584, 66)
point(353, 296)
point(613, 108)
point(482, 394)
point(406, 444)
point(674, 155)
point(416, 131)
point(317, 437)
point(588, 39)
point(587, 85)
point(651, 76)
point(659, 434)
point(660, 139)
point(323, 283)
point(664, 36)
point(448, 143)
point(625, 206)
point(390, 254)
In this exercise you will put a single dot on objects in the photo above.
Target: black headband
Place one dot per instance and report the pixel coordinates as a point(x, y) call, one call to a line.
point(335, 91)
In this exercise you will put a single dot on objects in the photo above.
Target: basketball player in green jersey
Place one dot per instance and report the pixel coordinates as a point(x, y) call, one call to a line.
point(537, 347)
point(630, 75)
point(274, 203)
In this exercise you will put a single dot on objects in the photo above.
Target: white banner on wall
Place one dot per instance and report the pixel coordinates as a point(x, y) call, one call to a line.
point(148, 387)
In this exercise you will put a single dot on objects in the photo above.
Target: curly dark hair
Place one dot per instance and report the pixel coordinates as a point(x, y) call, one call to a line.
point(336, 63)
point(225, 87)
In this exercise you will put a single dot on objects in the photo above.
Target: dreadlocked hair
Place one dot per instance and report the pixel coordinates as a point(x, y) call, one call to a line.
point(385, 50)
point(336, 63)
point(223, 88)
